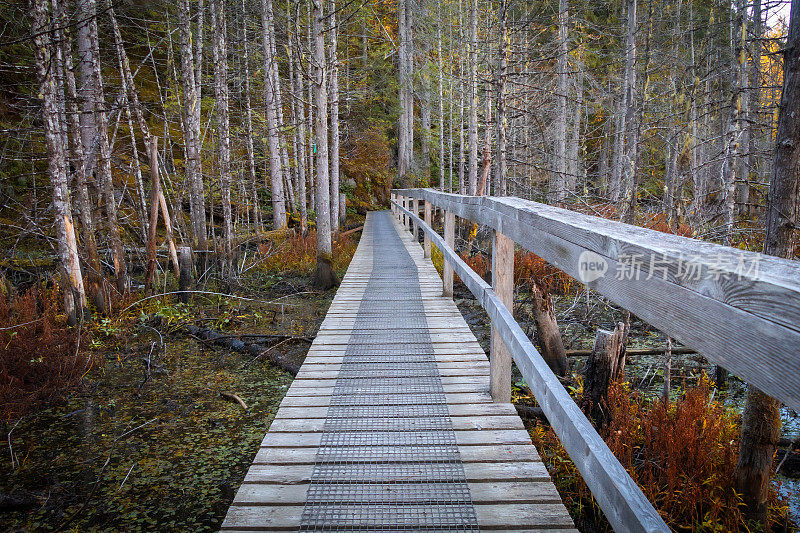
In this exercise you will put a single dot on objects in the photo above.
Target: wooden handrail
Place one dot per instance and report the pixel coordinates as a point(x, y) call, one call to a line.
point(739, 309)
point(624, 504)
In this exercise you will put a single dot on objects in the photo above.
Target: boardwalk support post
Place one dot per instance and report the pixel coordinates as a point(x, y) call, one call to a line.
point(427, 238)
point(414, 226)
point(503, 286)
point(449, 239)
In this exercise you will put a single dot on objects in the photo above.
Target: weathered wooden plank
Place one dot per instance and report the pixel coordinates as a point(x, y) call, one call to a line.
point(703, 294)
point(459, 423)
point(482, 453)
point(463, 438)
point(481, 492)
point(295, 474)
point(454, 398)
point(458, 410)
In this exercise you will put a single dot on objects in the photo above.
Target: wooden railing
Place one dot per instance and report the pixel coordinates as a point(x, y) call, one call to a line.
point(739, 309)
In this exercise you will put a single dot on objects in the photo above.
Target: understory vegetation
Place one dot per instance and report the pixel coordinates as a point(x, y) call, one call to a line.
point(121, 424)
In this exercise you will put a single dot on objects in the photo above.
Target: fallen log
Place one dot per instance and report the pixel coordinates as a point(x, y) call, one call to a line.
point(232, 342)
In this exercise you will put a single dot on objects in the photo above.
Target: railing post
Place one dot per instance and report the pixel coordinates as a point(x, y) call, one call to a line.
point(392, 198)
point(503, 286)
point(405, 217)
point(414, 226)
point(450, 240)
point(427, 239)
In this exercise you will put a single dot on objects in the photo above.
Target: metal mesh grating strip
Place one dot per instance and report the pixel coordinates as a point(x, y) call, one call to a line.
point(388, 458)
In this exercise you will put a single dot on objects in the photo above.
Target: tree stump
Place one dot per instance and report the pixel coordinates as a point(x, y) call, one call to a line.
point(550, 342)
point(605, 365)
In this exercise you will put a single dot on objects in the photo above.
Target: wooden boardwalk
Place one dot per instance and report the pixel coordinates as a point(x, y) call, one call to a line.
point(389, 424)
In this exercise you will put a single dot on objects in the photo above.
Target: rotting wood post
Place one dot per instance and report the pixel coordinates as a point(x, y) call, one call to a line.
point(414, 225)
point(449, 239)
point(154, 205)
point(503, 286)
point(185, 280)
point(427, 239)
point(604, 366)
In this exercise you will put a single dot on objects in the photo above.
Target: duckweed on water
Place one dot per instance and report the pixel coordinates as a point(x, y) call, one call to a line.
point(133, 454)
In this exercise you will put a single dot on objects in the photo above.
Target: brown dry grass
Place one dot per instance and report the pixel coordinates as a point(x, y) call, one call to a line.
point(39, 357)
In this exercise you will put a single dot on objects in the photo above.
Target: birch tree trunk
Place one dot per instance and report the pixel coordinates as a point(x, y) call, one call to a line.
point(732, 166)
point(631, 152)
point(48, 56)
point(325, 277)
point(248, 122)
point(754, 119)
point(298, 117)
point(197, 209)
point(441, 96)
point(334, 118)
point(273, 142)
point(220, 54)
point(104, 166)
point(473, 98)
point(405, 93)
point(93, 281)
point(85, 13)
point(559, 177)
point(504, 51)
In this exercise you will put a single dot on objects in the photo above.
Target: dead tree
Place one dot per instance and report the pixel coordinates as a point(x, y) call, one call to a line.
point(605, 365)
point(550, 342)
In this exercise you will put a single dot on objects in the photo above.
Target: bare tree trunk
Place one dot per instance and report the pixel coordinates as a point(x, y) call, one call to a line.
point(761, 418)
point(104, 166)
point(311, 152)
point(289, 200)
point(550, 341)
point(325, 277)
point(51, 85)
point(627, 200)
point(192, 129)
point(220, 54)
point(473, 98)
point(248, 122)
point(615, 185)
point(93, 281)
point(155, 193)
point(486, 163)
point(559, 176)
point(440, 88)
point(732, 165)
point(334, 118)
point(273, 142)
point(86, 12)
point(425, 111)
point(573, 145)
point(405, 143)
point(298, 117)
point(754, 100)
point(504, 51)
